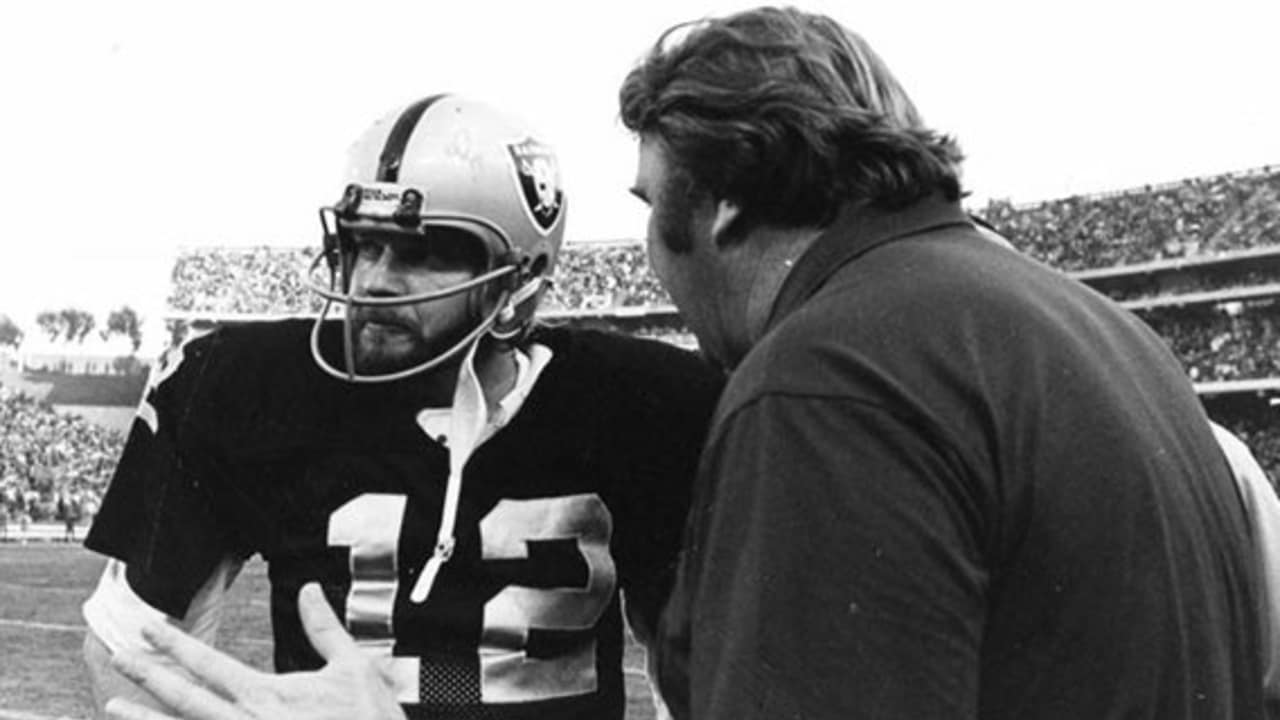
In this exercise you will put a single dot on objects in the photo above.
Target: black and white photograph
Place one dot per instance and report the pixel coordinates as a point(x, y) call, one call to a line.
point(702, 360)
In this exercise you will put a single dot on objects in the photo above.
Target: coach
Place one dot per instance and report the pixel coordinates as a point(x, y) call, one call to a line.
point(944, 481)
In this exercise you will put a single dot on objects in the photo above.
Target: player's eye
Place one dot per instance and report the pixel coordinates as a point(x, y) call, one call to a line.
point(413, 252)
point(446, 249)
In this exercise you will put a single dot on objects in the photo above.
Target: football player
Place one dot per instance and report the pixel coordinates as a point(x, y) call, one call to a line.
point(470, 489)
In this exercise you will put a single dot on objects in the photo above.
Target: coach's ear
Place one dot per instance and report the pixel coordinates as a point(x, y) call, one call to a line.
point(724, 226)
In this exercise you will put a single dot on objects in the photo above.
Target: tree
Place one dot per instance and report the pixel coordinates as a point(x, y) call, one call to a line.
point(68, 323)
point(76, 324)
point(10, 333)
point(51, 323)
point(126, 322)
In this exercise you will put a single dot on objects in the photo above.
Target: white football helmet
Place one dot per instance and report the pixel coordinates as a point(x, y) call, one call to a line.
point(448, 162)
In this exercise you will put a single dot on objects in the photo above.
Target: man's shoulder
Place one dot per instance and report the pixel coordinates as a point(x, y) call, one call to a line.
point(247, 352)
point(601, 351)
point(241, 371)
point(901, 310)
point(613, 373)
point(269, 340)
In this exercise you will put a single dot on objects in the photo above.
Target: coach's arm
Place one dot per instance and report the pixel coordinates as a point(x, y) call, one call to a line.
point(106, 682)
point(215, 686)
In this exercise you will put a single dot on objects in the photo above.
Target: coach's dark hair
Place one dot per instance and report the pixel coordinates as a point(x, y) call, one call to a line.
point(788, 114)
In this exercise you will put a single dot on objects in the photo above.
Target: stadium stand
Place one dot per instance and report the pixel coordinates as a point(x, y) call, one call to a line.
point(243, 281)
point(51, 459)
point(273, 281)
point(1136, 243)
point(1193, 217)
point(1223, 344)
point(1198, 259)
point(605, 276)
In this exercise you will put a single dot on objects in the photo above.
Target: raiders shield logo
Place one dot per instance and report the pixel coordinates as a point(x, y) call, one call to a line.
point(539, 180)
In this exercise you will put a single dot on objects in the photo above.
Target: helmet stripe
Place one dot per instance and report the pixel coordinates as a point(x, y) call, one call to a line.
point(393, 151)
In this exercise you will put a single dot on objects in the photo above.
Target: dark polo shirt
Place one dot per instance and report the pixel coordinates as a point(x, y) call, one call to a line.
point(950, 482)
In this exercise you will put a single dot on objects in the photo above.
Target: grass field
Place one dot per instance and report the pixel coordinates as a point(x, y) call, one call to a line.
point(41, 630)
point(68, 389)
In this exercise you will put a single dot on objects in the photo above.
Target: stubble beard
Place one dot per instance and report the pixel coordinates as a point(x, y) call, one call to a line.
point(388, 349)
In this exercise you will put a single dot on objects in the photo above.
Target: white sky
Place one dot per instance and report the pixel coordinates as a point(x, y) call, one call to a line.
point(131, 128)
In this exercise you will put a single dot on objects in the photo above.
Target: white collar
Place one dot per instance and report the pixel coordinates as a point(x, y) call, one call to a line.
point(464, 427)
point(467, 423)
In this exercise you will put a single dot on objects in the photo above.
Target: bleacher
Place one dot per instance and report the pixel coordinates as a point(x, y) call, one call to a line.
point(52, 464)
point(1193, 218)
point(1198, 259)
point(600, 284)
point(1209, 242)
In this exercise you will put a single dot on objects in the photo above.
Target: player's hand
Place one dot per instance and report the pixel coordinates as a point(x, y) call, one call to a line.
point(349, 687)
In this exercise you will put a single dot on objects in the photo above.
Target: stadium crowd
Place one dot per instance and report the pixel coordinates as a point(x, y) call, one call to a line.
point(53, 464)
point(263, 280)
point(591, 277)
point(1193, 217)
point(1216, 345)
point(48, 455)
point(251, 280)
point(1196, 216)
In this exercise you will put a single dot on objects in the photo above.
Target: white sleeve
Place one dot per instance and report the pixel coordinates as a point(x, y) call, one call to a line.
point(1263, 507)
point(116, 614)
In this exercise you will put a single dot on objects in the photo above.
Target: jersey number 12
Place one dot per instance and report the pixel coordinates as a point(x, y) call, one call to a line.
point(369, 525)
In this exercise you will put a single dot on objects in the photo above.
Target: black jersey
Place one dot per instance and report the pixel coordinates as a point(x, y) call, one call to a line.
point(243, 446)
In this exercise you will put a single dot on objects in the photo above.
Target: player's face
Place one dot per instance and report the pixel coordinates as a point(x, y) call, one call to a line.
point(387, 265)
point(681, 252)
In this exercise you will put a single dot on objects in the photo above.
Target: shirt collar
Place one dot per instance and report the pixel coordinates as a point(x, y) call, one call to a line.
point(468, 422)
point(858, 229)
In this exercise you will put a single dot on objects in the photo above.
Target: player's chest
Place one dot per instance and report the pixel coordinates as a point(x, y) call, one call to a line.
point(529, 574)
point(289, 496)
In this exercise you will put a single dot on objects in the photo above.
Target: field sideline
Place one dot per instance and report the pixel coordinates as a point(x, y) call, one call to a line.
point(41, 587)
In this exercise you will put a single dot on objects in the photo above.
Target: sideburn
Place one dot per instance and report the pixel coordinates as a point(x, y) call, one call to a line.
point(674, 216)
